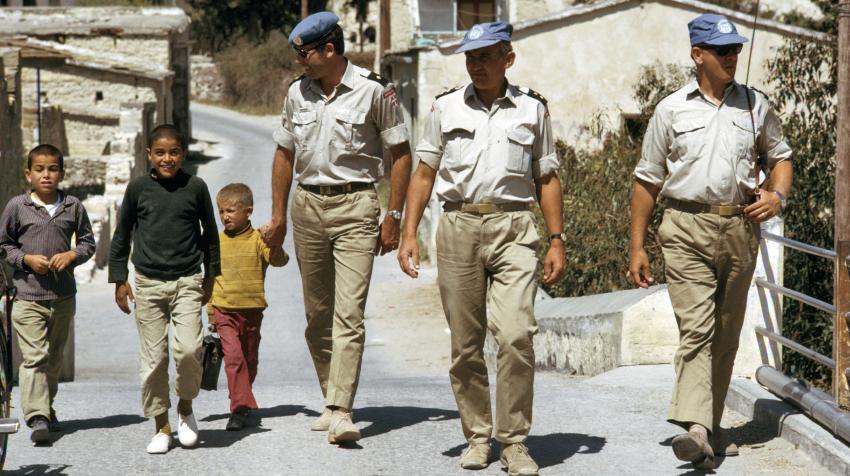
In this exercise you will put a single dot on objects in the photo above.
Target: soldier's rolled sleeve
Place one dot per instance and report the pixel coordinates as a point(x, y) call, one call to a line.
point(772, 148)
point(283, 135)
point(652, 166)
point(389, 118)
point(544, 159)
point(430, 148)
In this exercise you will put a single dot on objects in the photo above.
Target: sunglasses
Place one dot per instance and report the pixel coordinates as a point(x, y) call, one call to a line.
point(724, 50)
point(304, 52)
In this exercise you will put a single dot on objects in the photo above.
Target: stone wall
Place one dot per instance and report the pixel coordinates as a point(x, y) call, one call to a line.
point(11, 150)
point(207, 83)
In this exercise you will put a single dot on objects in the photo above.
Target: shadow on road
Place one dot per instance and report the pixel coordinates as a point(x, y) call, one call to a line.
point(278, 411)
point(548, 450)
point(387, 419)
point(196, 159)
point(223, 438)
point(104, 423)
point(40, 470)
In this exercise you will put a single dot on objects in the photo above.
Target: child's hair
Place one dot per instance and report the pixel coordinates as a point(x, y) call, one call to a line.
point(45, 149)
point(235, 194)
point(167, 131)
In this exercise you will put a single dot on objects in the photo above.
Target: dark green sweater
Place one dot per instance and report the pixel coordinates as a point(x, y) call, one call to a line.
point(163, 218)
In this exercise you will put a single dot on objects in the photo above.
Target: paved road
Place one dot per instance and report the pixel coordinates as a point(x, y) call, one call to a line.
point(609, 425)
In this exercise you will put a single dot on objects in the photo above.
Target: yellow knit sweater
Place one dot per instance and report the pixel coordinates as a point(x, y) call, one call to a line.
point(244, 259)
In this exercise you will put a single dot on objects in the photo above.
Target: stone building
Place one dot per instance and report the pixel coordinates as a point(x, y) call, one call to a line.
point(111, 56)
point(11, 153)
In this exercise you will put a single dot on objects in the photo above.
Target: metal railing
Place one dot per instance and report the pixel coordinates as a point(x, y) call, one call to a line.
point(816, 404)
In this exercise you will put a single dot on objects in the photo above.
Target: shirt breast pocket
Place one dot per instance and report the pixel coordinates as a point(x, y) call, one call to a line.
point(304, 128)
point(350, 129)
point(520, 143)
point(457, 139)
point(689, 138)
point(743, 137)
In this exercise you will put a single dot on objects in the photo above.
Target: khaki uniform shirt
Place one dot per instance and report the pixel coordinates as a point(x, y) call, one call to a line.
point(697, 151)
point(338, 138)
point(486, 155)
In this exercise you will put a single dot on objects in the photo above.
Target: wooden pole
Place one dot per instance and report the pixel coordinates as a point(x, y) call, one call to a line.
point(304, 9)
point(841, 336)
point(385, 13)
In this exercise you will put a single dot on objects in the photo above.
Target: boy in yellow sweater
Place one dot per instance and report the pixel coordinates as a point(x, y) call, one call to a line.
point(238, 300)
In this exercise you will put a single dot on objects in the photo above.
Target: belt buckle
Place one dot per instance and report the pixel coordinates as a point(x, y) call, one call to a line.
point(486, 208)
point(727, 210)
point(325, 189)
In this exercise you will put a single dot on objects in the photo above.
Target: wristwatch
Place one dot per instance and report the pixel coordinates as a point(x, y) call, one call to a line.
point(394, 214)
point(558, 236)
point(783, 202)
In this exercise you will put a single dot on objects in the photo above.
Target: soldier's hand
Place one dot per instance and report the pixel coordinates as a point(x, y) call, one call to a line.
point(639, 273)
point(766, 207)
point(273, 233)
point(38, 263)
point(123, 291)
point(61, 261)
point(555, 262)
point(408, 257)
point(388, 236)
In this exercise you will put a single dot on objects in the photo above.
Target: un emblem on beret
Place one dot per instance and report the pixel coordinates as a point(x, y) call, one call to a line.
point(476, 32)
point(298, 41)
point(723, 26)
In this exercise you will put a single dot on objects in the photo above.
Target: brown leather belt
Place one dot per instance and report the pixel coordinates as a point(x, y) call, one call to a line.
point(337, 189)
point(695, 207)
point(485, 208)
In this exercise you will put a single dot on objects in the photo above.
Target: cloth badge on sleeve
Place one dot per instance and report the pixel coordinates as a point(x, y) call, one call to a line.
point(392, 96)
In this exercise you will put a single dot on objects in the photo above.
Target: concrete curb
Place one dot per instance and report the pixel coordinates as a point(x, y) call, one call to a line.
point(783, 419)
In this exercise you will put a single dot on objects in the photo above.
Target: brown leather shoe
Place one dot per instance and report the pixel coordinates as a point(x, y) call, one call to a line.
point(341, 429)
point(695, 448)
point(477, 456)
point(721, 444)
point(515, 457)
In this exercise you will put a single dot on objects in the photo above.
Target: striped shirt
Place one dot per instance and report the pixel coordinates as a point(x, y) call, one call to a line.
point(26, 228)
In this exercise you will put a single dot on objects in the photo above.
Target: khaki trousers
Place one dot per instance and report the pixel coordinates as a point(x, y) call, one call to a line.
point(474, 254)
point(710, 262)
point(335, 239)
point(42, 328)
point(159, 303)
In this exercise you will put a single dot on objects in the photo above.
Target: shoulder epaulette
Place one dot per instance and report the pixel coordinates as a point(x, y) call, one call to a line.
point(760, 92)
point(447, 92)
point(299, 78)
point(534, 94)
point(378, 78)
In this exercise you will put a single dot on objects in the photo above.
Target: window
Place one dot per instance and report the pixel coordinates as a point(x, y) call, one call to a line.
point(441, 16)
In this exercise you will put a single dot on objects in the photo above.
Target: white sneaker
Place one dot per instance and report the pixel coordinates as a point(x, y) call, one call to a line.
point(187, 430)
point(160, 443)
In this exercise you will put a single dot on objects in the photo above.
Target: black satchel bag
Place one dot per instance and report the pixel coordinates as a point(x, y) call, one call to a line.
point(213, 357)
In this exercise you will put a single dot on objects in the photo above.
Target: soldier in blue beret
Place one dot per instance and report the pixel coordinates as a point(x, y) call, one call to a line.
point(703, 150)
point(490, 144)
point(336, 122)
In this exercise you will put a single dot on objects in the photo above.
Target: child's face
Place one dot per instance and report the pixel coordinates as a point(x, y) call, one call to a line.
point(45, 174)
point(166, 156)
point(234, 216)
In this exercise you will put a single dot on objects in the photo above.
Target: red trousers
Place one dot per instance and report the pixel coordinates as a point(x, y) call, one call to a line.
point(240, 342)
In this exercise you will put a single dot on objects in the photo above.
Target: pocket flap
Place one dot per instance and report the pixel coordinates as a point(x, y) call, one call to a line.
point(448, 125)
point(687, 125)
point(351, 116)
point(303, 117)
point(743, 122)
point(521, 136)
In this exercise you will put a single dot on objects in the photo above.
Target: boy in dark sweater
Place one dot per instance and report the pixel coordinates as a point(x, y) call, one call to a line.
point(37, 232)
point(170, 219)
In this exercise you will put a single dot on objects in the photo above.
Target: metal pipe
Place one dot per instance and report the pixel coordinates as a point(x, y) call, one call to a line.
point(799, 245)
point(796, 347)
point(815, 403)
point(38, 100)
point(804, 298)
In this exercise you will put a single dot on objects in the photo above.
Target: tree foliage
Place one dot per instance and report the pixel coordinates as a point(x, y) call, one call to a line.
point(805, 77)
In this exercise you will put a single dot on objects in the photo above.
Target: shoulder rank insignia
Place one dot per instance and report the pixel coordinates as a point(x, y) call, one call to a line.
point(449, 91)
point(760, 92)
point(534, 94)
point(377, 78)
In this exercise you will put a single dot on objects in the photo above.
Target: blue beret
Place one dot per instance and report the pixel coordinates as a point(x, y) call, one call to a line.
point(716, 30)
point(313, 28)
point(485, 34)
